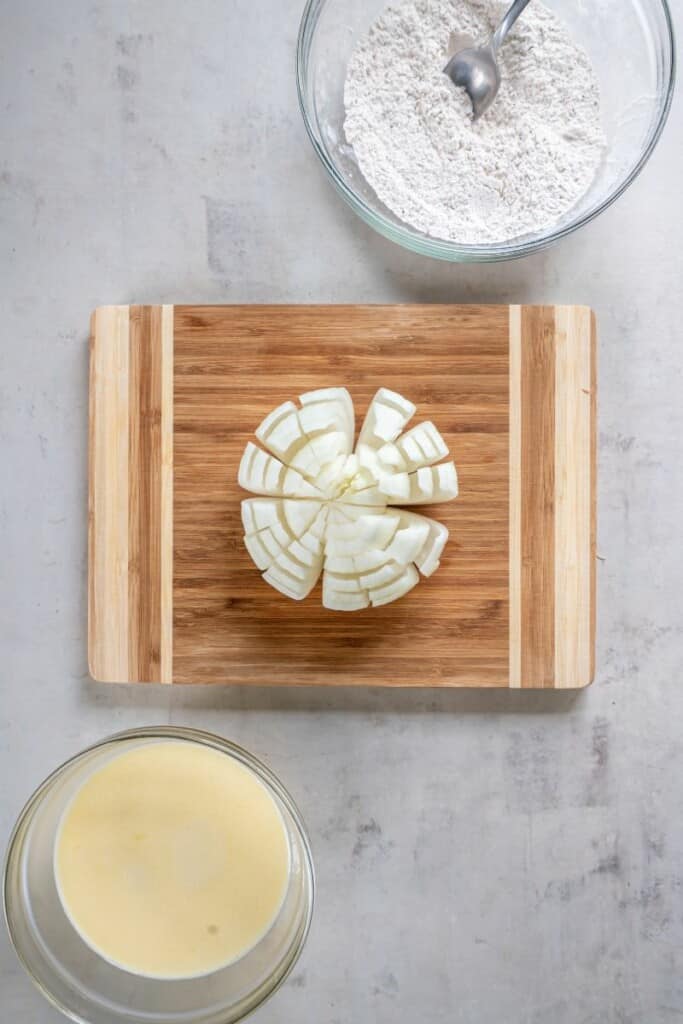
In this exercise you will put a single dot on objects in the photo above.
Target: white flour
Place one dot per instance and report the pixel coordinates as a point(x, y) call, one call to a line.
point(517, 170)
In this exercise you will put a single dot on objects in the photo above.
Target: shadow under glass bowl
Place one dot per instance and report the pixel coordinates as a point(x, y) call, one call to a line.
point(630, 43)
point(91, 990)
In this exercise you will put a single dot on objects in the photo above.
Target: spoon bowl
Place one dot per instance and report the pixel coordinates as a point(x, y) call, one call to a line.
point(475, 70)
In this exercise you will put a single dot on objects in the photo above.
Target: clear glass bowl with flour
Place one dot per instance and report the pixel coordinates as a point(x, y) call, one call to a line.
point(162, 875)
point(403, 154)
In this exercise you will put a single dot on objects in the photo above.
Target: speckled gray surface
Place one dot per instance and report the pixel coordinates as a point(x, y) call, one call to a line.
point(482, 858)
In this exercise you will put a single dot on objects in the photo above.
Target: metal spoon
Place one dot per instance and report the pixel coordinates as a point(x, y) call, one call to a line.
point(475, 68)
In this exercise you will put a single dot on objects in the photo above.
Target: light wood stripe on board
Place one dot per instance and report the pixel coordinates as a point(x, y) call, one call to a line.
point(131, 439)
point(515, 495)
point(538, 496)
point(573, 496)
point(108, 494)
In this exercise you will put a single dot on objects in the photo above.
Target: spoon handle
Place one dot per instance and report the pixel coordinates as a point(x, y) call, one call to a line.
point(507, 22)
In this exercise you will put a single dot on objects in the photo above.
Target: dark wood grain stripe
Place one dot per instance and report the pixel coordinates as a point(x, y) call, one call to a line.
point(537, 465)
point(144, 503)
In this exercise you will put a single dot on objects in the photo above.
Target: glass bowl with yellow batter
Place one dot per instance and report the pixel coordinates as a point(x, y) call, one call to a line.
point(161, 875)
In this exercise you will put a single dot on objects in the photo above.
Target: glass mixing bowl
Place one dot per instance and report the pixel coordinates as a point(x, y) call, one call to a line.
point(92, 990)
point(632, 48)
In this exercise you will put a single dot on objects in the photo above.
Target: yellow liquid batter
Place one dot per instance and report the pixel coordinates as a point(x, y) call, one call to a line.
point(172, 860)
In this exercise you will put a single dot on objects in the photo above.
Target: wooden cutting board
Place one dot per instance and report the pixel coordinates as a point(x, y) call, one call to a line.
point(175, 394)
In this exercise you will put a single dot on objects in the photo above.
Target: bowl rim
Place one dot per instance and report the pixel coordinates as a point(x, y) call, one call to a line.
point(442, 249)
point(281, 972)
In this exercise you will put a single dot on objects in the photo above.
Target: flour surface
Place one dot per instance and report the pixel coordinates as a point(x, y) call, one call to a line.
point(517, 170)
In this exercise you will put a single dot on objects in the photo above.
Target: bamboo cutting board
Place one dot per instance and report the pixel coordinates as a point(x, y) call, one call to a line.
point(175, 394)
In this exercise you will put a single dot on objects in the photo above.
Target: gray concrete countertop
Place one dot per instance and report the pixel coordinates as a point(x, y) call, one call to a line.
point(485, 858)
